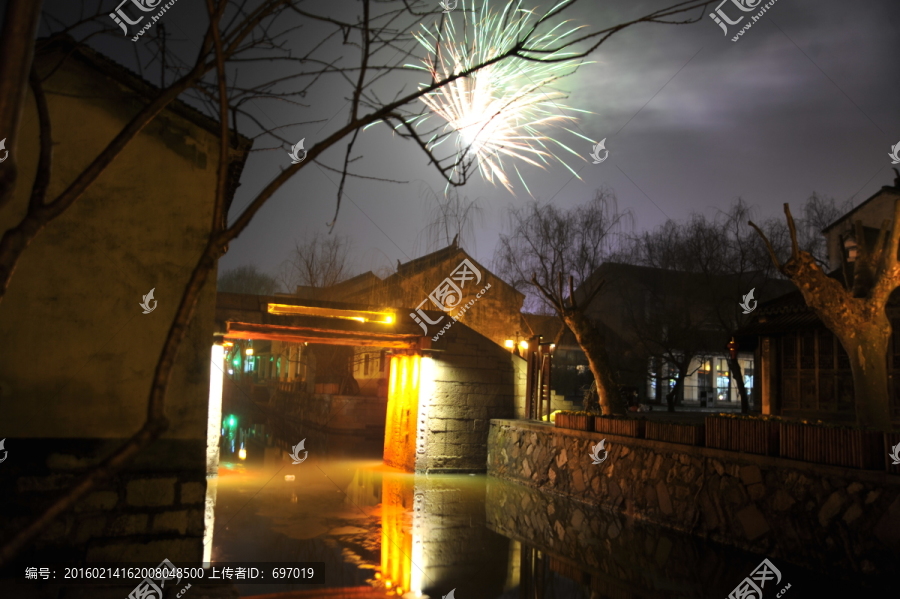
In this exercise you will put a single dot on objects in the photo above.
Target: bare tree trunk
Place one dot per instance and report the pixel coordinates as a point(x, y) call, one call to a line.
point(738, 376)
point(856, 314)
point(591, 342)
point(679, 384)
point(867, 347)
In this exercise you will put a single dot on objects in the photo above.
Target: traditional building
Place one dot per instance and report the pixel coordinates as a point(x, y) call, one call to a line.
point(646, 314)
point(447, 280)
point(74, 302)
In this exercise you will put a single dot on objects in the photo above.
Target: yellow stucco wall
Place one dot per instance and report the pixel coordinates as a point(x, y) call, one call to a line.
point(79, 354)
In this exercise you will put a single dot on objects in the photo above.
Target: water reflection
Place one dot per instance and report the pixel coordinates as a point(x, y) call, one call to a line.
point(409, 535)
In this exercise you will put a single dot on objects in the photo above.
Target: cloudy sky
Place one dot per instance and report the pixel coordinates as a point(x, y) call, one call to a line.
point(805, 100)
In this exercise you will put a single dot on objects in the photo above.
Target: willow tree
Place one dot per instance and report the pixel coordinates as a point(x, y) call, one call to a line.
point(547, 247)
point(854, 309)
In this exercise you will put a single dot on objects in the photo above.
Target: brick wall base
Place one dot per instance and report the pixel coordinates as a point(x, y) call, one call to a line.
point(151, 511)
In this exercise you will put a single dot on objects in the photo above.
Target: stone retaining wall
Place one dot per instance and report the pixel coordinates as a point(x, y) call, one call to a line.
point(153, 510)
point(816, 517)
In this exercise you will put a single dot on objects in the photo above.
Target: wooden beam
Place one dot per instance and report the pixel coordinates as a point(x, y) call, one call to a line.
point(317, 335)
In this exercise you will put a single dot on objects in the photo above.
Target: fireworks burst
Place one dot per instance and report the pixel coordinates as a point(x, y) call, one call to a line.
point(500, 110)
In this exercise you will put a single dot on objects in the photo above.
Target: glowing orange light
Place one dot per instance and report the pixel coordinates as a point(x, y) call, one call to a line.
point(358, 315)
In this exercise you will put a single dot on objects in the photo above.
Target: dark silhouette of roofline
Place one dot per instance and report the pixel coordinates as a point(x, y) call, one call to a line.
point(895, 189)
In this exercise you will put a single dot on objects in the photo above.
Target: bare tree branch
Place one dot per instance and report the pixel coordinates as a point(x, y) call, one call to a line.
point(17, 46)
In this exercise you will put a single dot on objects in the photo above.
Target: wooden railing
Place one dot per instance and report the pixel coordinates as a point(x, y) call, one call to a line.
point(832, 445)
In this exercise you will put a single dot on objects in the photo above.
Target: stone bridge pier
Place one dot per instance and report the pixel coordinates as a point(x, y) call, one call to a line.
point(441, 402)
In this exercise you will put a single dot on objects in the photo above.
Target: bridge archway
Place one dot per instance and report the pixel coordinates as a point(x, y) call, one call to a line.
point(441, 394)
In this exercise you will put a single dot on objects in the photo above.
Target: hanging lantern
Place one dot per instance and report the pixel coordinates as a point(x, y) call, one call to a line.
point(733, 348)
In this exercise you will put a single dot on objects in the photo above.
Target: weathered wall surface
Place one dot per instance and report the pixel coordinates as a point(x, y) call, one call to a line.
point(496, 314)
point(84, 354)
point(151, 511)
point(474, 380)
point(814, 516)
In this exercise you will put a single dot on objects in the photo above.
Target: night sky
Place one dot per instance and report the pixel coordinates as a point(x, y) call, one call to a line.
point(806, 100)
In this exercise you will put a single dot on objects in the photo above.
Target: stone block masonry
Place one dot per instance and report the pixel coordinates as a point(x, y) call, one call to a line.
point(829, 519)
point(475, 380)
point(152, 510)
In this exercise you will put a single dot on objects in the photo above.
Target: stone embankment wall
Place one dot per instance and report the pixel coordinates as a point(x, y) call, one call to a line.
point(825, 518)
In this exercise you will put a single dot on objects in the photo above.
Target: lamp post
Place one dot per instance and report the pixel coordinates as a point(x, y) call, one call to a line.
point(518, 346)
point(733, 348)
point(735, 368)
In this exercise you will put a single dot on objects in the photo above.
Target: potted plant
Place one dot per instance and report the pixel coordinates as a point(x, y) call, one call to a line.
point(620, 425)
point(579, 421)
point(738, 432)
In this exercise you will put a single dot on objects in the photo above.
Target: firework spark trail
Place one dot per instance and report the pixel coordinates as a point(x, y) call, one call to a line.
point(500, 110)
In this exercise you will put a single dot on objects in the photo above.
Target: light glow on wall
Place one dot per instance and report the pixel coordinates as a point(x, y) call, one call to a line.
point(213, 433)
point(402, 412)
point(214, 415)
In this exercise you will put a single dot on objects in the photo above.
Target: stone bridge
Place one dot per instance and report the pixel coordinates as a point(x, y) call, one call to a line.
point(442, 394)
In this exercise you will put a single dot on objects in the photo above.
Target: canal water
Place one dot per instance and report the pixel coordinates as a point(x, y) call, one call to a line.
point(406, 535)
